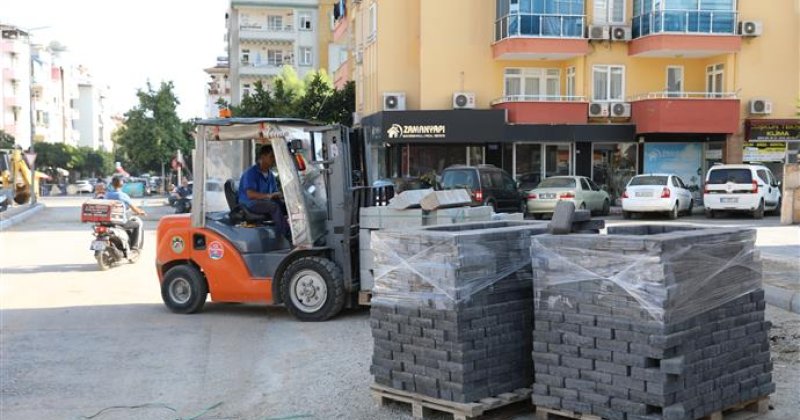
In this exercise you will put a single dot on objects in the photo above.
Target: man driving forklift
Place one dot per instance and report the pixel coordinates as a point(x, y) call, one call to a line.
point(259, 193)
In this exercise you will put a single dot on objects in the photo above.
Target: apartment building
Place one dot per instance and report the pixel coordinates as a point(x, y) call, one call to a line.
point(15, 87)
point(601, 88)
point(265, 35)
point(55, 94)
point(93, 124)
point(219, 87)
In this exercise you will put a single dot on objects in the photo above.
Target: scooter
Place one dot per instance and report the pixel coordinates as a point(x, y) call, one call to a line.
point(111, 245)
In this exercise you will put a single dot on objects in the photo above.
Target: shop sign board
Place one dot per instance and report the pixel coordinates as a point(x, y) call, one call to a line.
point(772, 130)
point(762, 151)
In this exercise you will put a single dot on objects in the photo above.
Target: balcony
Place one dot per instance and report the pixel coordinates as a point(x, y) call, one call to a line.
point(522, 36)
point(340, 29)
point(685, 112)
point(544, 109)
point(684, 34)
point(257, 32)
point(263, 69)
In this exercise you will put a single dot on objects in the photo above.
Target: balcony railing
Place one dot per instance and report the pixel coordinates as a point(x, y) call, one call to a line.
point(538, 98)
point(539, 25)
point(719, 22)
point(682, 95)
point(257, 27)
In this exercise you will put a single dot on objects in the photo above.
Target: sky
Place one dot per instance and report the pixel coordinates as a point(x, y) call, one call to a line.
point(126, 43)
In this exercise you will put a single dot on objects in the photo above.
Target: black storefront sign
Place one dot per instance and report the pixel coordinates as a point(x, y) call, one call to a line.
point(458, 126)
point(772, 130)
point(481, 126)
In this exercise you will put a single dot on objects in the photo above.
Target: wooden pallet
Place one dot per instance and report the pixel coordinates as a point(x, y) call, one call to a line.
point(543, 413)
point(460, 411)
point(759, 406)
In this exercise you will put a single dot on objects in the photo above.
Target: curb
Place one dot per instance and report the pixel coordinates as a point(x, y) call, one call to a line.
point(21, 217)
point(782, 298)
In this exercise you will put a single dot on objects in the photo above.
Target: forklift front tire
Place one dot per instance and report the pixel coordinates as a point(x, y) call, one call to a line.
point(184, 289)
point(312, 289)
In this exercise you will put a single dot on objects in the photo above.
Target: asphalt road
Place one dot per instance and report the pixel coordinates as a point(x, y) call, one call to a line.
point(75, 341)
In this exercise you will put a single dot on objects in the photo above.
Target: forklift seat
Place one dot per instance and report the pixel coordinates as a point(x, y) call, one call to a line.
point(240, 213)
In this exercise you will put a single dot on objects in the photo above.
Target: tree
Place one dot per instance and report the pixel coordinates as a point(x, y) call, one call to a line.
point(152, 132)
point(50, 156)
point(311, 98)
point(7, 141)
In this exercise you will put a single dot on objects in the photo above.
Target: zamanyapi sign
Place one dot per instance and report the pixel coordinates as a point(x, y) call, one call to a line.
point(764, 152)
point(430, 131)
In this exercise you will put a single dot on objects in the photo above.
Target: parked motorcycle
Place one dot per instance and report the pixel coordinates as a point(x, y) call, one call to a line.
point(183, 205)
point(112, 242)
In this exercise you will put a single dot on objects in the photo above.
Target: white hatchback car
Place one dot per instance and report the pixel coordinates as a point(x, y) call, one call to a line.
point(744, 188)
point(663, 193)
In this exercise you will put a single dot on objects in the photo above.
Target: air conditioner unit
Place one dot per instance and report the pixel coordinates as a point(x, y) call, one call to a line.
point(620, 110)
point(394, 101)
point(598, 109)
point(760, 106)
point(750, 28)
point(598, 32)
point(621, 33)
point(463, 100)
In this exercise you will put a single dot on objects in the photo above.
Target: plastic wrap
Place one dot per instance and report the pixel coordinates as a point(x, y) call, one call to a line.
point(663, 273)
point(442, 266)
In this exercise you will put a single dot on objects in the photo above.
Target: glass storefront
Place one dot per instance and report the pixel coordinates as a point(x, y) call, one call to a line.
point(536, 161)
point(613, 165)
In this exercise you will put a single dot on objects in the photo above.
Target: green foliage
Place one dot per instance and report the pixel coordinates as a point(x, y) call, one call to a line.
point(84, 160)
point(311, 98)
point(152, 132)
point(6, 140)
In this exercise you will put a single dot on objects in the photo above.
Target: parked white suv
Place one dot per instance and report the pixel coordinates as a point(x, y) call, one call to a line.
point(749, 188)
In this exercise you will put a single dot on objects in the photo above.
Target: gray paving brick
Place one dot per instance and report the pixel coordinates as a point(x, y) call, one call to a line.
point(612, 368)
point(628, 382)
point(580, 384)
point(578, 340)
point(577, 362)
point(629, 407)
point(596, 354)
point(563, 392)
point(613, 345)
point(565, 372)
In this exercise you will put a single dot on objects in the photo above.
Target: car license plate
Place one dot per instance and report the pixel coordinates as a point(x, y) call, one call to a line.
point(729, 200)
point(99, 245)
point(549, 195)
point(644, 194)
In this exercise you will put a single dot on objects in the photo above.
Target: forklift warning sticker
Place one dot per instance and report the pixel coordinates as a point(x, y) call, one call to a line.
point(177, 244)
point(215, 250)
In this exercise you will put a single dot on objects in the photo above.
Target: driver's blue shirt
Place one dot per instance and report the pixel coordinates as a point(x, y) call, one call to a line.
point(120, 196)
point(255, 180)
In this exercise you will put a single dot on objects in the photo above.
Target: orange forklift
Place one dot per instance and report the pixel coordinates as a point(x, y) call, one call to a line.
point(223, 250)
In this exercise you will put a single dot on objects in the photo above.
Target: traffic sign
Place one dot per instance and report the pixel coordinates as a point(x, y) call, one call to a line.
point(30, 157)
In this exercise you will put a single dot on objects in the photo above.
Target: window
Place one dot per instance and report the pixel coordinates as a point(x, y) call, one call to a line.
point(571, 83)
point(763, 175)
point(306, 56)
point(546, 18)
point(373, 22)
point(532, 83)
point(245, 57)
point(585, 185)
point(609, 12)
point(305, 21)
point(715, 80)
point(682, 16)
point(675, 182)
point(275, 57)
point(246, 89)
point(609, 83)
point(674, 81)
point(593, 186)
point(275, 23)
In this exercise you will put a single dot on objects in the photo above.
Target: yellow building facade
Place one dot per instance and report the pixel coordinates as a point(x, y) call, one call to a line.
point(606, 81)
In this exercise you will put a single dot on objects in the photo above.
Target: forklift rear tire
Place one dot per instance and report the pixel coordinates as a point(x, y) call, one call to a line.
point(312, 289)
point(184, 289)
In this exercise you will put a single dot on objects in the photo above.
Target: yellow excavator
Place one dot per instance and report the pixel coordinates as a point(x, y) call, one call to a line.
point(17, 182)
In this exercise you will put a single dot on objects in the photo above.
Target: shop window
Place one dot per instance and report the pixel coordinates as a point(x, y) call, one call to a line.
point(433, 159)
point(556, 160)
point(528, 165)
point(613, 165)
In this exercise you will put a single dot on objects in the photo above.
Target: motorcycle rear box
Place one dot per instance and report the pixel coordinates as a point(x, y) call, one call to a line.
point(103, 211)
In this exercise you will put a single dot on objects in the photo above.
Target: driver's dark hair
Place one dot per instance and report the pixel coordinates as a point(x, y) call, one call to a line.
point(265, 150)
point(116, 182)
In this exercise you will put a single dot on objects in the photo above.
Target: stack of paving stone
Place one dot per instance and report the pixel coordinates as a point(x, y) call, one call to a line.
point(649, 322)
point(451, 309)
